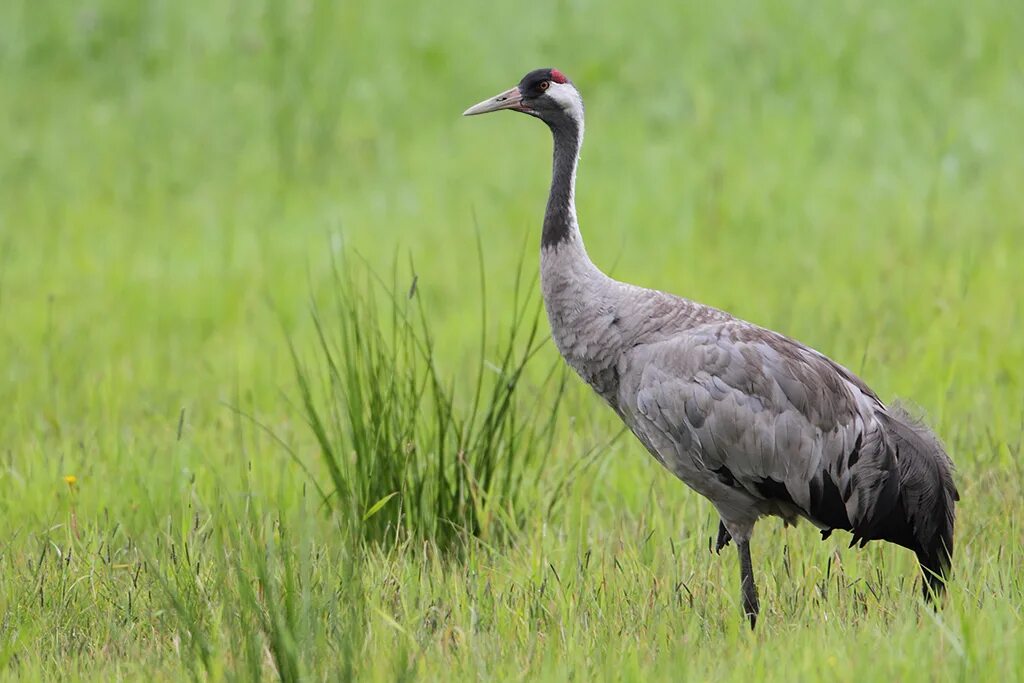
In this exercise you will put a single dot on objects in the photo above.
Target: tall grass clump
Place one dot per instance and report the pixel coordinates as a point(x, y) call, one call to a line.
point(411, 450)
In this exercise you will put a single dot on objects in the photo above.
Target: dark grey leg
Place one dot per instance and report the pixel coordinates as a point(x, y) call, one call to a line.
point(750, 604)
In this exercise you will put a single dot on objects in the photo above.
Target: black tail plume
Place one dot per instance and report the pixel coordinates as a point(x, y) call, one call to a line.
point(928, 495)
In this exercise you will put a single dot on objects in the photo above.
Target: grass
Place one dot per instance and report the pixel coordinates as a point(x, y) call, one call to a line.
point(177, 180)
point(406, 455)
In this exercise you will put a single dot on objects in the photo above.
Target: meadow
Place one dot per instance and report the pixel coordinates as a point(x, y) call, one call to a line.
point(220, 221)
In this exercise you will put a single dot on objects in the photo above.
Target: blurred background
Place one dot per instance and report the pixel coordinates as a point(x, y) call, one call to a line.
point(176, 178)
point(848, 174)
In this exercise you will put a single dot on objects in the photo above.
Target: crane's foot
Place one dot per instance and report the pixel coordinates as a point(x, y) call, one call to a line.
point(723, 537)
point(752, 616)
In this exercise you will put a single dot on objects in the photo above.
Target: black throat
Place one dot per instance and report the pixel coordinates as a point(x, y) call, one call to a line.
point(559, 218)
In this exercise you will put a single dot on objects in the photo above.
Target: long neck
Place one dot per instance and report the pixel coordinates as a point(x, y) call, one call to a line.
point(560, 224)
point(577, 295)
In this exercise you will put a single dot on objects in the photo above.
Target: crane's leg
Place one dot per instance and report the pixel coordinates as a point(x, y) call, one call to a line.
point(723, 537)
point(749, 590)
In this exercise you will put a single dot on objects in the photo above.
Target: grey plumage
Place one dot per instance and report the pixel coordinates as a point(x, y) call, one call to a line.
point(754, 421)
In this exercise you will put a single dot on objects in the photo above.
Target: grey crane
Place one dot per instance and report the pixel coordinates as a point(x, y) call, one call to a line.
point(756, 422)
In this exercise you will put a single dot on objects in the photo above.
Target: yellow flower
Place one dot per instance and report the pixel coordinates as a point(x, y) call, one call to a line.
point(71, 480)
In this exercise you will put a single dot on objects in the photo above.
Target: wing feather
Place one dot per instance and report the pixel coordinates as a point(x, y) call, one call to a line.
point(734, 398)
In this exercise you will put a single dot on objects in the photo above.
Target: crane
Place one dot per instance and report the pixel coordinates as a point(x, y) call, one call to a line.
point(759, 424)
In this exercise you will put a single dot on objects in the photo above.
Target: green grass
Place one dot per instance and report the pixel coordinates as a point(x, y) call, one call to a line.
point(407, 455)
point(177, 179)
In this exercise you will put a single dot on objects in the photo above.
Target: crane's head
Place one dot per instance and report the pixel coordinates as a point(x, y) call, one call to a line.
point(544, 93)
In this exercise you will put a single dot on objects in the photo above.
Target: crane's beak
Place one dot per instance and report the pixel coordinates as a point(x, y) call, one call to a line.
point(510, 99)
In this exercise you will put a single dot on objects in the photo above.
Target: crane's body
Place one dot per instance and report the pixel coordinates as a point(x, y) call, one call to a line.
point(756, 422)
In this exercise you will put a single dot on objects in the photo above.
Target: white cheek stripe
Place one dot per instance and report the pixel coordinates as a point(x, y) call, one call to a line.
point(568, 98)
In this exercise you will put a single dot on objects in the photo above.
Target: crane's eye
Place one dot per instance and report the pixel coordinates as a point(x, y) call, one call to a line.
point(544, 85)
